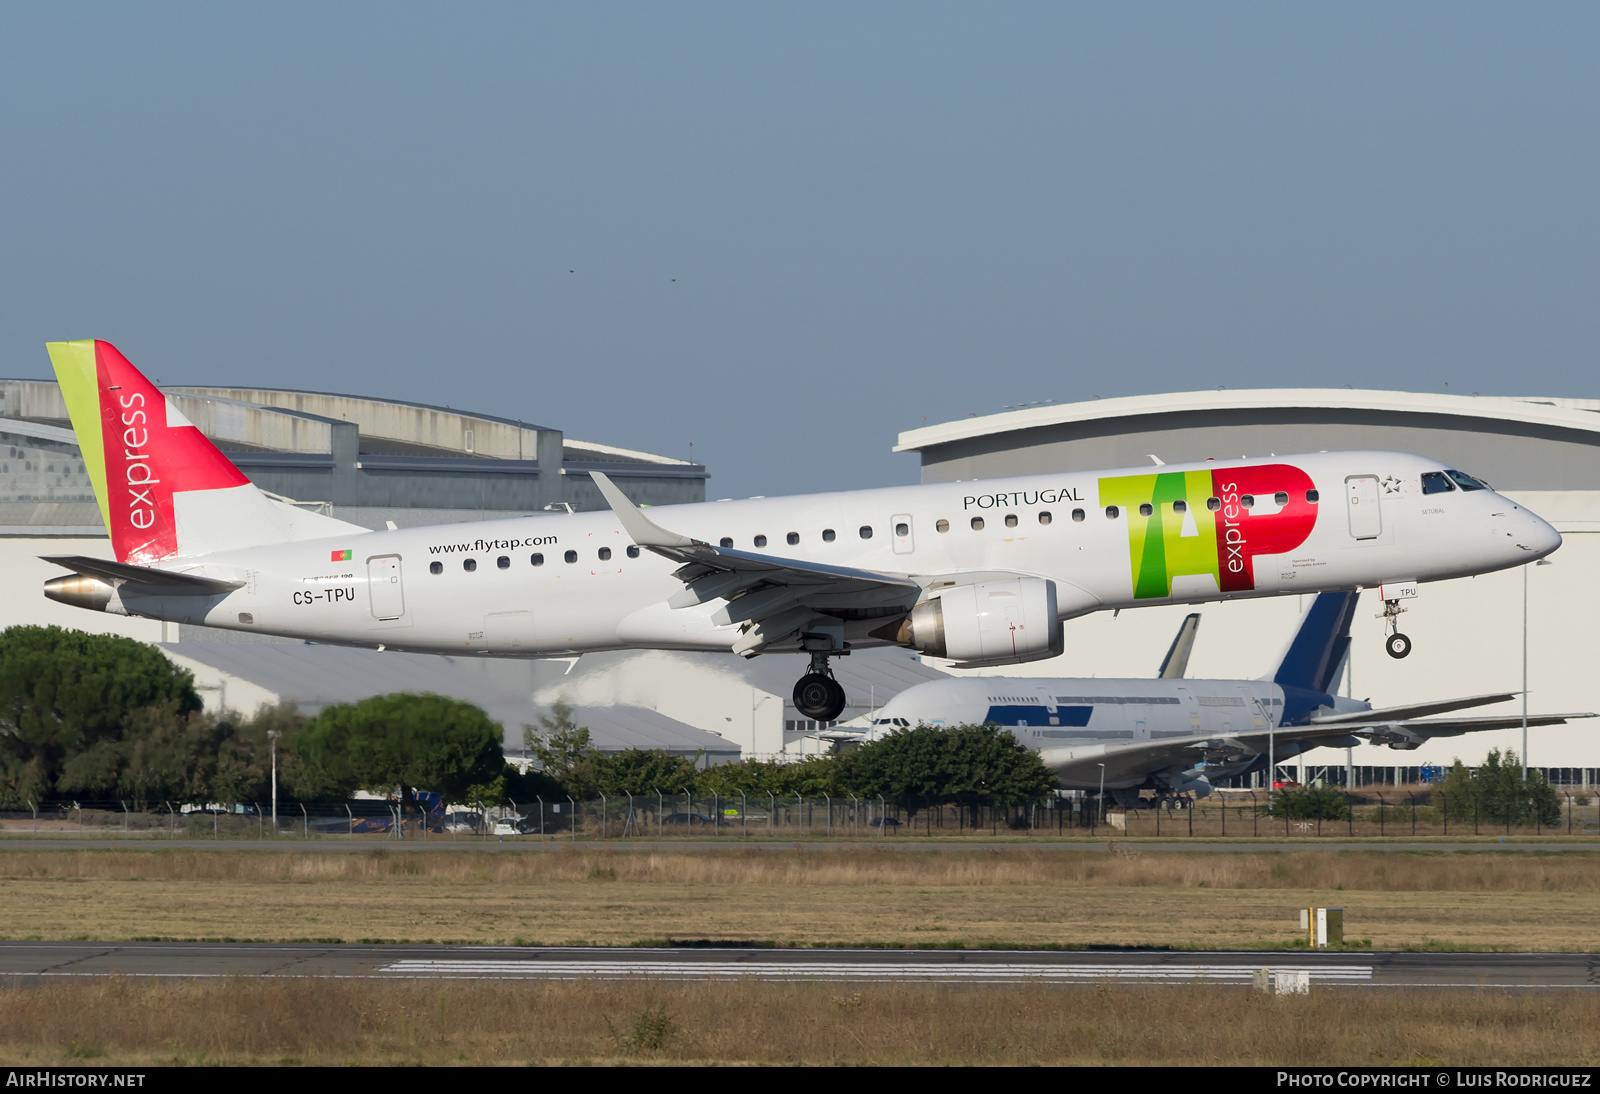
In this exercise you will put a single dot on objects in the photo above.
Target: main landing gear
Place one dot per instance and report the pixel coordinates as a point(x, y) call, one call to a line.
point(818, 695)
point(1397, 645)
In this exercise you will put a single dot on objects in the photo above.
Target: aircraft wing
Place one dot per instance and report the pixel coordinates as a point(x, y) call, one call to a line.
point(775, 598)
point(1136, 759)
point(1414, 710)
point(156, 582)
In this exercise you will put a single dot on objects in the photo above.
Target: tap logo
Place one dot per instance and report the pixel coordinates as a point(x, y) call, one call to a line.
point(1210, 523)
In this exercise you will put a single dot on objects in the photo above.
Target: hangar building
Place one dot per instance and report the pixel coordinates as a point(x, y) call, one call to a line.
point(1469, 634)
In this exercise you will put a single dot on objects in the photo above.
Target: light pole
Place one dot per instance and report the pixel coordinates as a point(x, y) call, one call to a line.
point(1541, 562)
point(274, 734)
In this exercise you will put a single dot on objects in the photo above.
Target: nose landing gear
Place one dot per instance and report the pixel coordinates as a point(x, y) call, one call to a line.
point(818, 695)
point(1396, 645)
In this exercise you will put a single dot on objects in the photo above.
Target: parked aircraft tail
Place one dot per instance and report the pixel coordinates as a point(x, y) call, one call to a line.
point(1316, 654)
point(164, 489)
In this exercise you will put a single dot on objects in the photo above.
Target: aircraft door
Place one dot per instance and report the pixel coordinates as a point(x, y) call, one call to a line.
point(1361, 500)
point(900, 528)
point(385, 588)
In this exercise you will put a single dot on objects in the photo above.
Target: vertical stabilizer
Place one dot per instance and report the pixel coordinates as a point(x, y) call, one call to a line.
point(1317, 651)
point(164, 489)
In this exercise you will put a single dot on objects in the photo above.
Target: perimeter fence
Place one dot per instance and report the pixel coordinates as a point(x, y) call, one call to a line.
point(659, 814)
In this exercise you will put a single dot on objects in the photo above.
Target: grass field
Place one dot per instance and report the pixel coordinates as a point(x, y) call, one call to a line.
point(852, 897)
point(119, 1022)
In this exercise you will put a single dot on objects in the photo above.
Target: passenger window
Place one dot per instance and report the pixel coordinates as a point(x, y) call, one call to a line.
point(1146, 509)
point(469, 565)
point(828, 535)
point(902, 529)
point(571, 556)
point(605, 554)
point(761, 541)
point(793, 538)
point(1045, 517)
point(537, 559)
point(726, 541)
point(1111, 512)
point(503, 562)
point(1247, 501)
point(1280, 498)
point(942, 526)
point(1213, 504)
point(977, 524)
point(1077, 515)
point(1011, 520)
point(866, 531)
point(1180, 507)
point(633, 552)
point(1435, 482)
point(436, 567)
point(1313, 497)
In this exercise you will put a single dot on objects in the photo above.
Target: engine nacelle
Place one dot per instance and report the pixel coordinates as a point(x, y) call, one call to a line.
point(1002, 621)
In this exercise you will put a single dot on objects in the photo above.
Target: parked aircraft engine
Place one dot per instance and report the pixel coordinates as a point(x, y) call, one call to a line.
point(1001, 621)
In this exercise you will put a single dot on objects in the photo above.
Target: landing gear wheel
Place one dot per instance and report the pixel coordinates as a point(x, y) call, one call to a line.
point(819, 697)
point(1397, 645)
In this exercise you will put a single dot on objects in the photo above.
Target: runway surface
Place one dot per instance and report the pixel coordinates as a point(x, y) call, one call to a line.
point(38, 962)
point(1565, 845)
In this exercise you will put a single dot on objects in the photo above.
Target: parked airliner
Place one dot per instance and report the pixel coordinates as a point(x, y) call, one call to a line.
point(981, 573)
point(1174, 736)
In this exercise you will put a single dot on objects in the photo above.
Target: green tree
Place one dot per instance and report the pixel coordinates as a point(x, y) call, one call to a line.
point(564, 751)
point(1496, 792)
point(643, 771)
point(1311, 803)
point(68, 694)
point(406, 739)
point(928, 765)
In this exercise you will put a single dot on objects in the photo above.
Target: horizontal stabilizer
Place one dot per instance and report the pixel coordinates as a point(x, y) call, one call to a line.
point(159, 582)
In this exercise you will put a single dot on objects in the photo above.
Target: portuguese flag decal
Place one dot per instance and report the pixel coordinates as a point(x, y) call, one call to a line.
point(341, 556)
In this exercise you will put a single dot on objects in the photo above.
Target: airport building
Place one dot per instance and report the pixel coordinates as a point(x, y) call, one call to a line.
point(1471, 636)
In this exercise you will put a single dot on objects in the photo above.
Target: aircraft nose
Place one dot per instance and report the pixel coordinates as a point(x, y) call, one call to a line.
point(1536, 538)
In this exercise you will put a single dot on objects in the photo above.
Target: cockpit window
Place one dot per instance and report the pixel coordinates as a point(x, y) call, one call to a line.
point(1435, 482)
point(1467, 482)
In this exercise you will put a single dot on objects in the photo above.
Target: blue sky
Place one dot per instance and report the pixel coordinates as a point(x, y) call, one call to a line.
point(785, 233)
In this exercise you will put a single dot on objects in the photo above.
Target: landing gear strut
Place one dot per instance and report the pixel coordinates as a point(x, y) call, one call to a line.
point(1397, 645)
point(818, 695)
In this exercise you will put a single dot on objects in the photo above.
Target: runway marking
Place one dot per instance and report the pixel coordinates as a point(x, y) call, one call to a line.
point(978, 972)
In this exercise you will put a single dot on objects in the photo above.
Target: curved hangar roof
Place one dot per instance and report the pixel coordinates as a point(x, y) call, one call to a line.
point(1514, 443)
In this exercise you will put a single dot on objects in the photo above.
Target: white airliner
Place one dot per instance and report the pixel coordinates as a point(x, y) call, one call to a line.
point(982, 573)
point(1174, 736)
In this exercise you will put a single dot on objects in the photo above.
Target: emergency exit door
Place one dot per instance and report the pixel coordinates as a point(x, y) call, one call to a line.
point(383, 584)
point(1361, 500)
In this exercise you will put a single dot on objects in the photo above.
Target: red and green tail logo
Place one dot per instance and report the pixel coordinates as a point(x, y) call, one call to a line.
point(138, 448)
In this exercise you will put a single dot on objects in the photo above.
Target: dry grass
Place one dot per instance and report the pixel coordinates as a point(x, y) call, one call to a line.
point(120, 1022)
point(974, 898)
point(1126, 868)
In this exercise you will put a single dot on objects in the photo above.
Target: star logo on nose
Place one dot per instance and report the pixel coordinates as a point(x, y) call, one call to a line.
point(1391, 485)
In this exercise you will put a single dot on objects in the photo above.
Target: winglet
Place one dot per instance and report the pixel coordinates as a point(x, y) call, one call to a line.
point(644, 531)
point(1177, 659)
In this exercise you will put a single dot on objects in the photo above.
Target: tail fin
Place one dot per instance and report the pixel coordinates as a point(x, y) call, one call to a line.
point(1316, 653)
point(164, 489)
